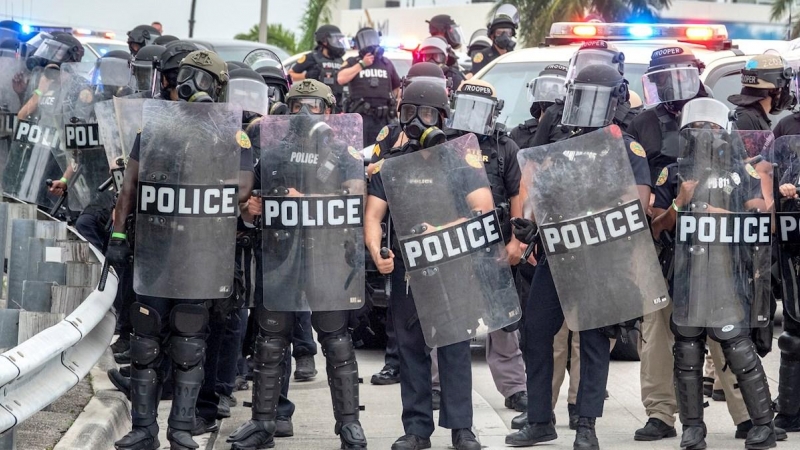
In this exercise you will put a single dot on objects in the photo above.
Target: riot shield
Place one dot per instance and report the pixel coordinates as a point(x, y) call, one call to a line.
point(787, 215)
point(313, 188)
point(452, 249)
point(111, 139)
point(129, 120)
point(594, 229)
point(187, 198)
point(10, 68)
point(723, 247)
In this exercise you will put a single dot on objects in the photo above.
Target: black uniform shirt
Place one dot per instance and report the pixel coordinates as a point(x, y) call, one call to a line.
point(506, 149)
point(319, 67)
point(453, 73)
point(646, 128)
point(482, 58)
point(550, 129)
point(523, 133)
point(374, 83)
point(789, 125)
point(752, 117)
point(638, 160)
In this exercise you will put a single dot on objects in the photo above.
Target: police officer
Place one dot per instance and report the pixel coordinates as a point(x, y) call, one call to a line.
point(168, 65)
point(142, 70)
point(157, 333)
point(141, 36)
point(324, 62)
point(502, 29)
point(550, 128)
point(543, 91)
point(544, 315)
point(423, 109)
point(478, 42)
point(673, 194)
point(435, 49)
point(306, 98)
point(446, 28)
point(765, 92)
point(373, 83)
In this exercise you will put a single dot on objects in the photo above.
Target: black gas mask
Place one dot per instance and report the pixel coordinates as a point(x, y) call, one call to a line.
point(195, 85)
point(782, 99)
point(504, 41)
point(421, 124)
point(336, 52)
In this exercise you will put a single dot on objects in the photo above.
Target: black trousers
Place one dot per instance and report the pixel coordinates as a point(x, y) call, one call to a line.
point(543, 318)
point(455, 371)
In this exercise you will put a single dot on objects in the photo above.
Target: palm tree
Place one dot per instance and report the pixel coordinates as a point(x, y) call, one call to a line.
point(536, 16)
point(276, 35)
point(779, 10)
point(317, 12)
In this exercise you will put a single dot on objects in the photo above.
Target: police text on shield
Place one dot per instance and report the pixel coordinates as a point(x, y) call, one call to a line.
point(187, 201)
point(345, 211)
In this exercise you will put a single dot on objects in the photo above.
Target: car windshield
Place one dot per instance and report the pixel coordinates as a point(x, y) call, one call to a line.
point(102, 47)
point(237, 53)
point(401, 66)
point(510, 81)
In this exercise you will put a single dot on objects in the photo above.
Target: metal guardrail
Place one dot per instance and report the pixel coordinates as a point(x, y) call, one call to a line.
point(38, 371)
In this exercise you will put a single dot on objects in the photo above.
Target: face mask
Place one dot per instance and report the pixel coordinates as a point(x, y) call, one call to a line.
point(504, 42)
point(335, 52)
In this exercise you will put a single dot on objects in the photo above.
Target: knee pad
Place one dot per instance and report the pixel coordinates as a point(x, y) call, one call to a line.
point(339, 349)
point(144, 350)
point(789, 345)
point(740, 355)
point(187, 352)
point(685, 332)
point(689, 355)
point(274, 322)
point(269, 349)
point(188, 320)
point(145, 320)
point(329, 321)
point(732, 333)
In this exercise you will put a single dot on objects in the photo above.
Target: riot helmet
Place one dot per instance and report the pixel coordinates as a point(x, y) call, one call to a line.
point(142, 68)
point(310, 97)
point(141, 36)
point(35, 42)
point(478, 42)
point(236, 65)
point(549, 86)
point(10, 29)
point(63, 47)
point(595, 52)
point(330, 37)
point(168, 63)
point(503, 27)
point(593, 96)
point(768, 75)
point(425, 71)
point(247, 89)
point(444, 26)
point(423, 108)
point(368, 41)
point(706, 112)
point(433, 49)
point(202, 76)
point(10, 48)
point(164, 40)
point(475, 108)
point(672, 78)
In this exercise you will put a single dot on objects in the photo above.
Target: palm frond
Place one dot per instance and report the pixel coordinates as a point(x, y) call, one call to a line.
point(317, 12)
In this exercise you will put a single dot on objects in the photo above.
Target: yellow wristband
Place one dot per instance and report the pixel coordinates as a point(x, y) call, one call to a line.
point(64, 180)
point(117, 235)
point(37, 92)
point(675, 206)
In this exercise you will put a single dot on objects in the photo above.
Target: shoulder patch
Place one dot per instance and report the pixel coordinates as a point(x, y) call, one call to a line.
point(301, 60)
point(376, 150)
point(377, 167)
point(478, 58)
point(354, 153)
point(662, 177)
point(474, 159)
point(242, 139)
point(752, 171)
point(637, 149)
point(382, 134)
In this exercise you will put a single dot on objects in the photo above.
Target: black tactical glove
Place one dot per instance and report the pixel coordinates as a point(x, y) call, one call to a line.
point(119, 252)
point(524, 229)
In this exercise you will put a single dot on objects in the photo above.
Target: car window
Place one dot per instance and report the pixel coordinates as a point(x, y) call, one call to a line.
point(102, 48)
point(401, 66)
point(511, 79)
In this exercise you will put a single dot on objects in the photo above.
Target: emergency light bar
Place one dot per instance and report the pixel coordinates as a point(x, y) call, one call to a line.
point(88, 32)
point(709, 35)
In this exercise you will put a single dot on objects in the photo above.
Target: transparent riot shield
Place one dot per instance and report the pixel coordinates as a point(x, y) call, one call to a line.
point(723, 240)
point(187, 199)
point(12, 76)
point(129, 120)
point(313, 188)
point(450, 239)
point(37, 142)
point(112, 140)
point(593, 229)
point(787, 216)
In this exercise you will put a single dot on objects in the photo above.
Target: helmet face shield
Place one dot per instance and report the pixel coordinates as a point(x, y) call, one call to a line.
point(367, 38)
point(112, 72)
point(702, 112)
point(338, 41)
point(52, 51)
point(251, 95)
point(670, 84)
point(587, 57)
point(455, 36)
point(142, 75)
point(472, 113)
point(588, 105)
point(547, 88)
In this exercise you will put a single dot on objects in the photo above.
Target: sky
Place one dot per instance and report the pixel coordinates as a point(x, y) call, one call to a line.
point(214, 19)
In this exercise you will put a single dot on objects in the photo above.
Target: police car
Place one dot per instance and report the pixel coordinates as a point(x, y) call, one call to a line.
point(510, 73)
point(96, 47)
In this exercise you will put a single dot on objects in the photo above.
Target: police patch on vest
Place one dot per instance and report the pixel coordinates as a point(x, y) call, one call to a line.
point(186, 200)
point(669, 51)
point(477, 58)
point(752, 171)
point(788, 227)
point(8, 121)
point(243, 139)
point(662, 177)
point(724, 229)
point(376, 150)
point(638, 150)
point(597, 229)
point(457, 241)
point(382, 134)
point(301, 60)
point(28, 133)
point(344, 211)
point(474, 160)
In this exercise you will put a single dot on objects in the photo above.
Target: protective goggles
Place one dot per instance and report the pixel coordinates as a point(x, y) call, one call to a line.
point(428, 115)
point(202, 79)
point(315, 105)
point(500, 31)
point(432, 56)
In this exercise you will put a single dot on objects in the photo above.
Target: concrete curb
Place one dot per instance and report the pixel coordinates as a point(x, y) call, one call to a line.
point(105, 419)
